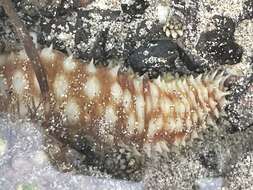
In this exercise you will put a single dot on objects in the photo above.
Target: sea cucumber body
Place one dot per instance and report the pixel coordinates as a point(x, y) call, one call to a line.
point(110, 106)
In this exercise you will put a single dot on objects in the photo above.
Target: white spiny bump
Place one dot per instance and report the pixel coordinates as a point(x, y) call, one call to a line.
point(140, 110)
point(47, 53)
point(127, 98)
point(110, 115)
point(131, 122)
point(22, 55)
point(147, 149)
point(155, 124)
point(19, 82)
point(91, 67)
point(69, 64)
point(92, 87)
point(60, 86)
point(172, 125)
point(137, 86)
point(72, 111)
point(178, 124)
point(114, 70)
point(158, 148)
point(194, 116)
point(116, 92)
point(164, 146)
point(154, 92)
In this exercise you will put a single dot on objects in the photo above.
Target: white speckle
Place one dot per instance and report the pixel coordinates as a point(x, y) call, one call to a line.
point(19, 82)
point(72, 111)
point(47, 53)
point(60, 86)
point(155, 124)
point(92, 87)
point(69, 64)
point(110, 115)
point(116, 92)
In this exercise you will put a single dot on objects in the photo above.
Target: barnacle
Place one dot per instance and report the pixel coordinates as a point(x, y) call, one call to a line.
point(173, 28)
point(114, 107)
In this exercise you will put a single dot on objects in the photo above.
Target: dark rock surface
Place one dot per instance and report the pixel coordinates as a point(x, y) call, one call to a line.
point(219, 45)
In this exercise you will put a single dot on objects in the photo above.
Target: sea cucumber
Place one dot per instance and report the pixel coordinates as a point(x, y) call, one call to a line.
point(114, 107)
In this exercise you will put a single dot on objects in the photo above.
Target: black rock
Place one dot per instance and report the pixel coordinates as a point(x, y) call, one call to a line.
point(160, 56)
point(154, 57)
point(248, 10)
point(224, 24)
point(219, 46)
point(136, 8)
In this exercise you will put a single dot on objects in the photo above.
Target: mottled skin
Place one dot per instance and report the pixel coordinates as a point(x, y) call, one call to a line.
point(113, 108)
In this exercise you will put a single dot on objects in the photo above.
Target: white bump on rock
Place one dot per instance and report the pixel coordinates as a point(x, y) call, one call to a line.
point(60, 86)
point(69, 64)
point(19, 82)
point(92, 87)
point(72, 111)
